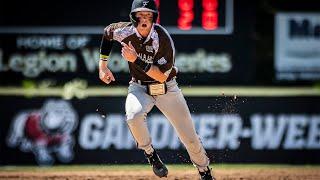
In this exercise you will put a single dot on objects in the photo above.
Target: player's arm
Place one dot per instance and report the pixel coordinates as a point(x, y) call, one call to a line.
point(107, 42)
point(105, 48)
point(163, 61)
point(163, 65)
point(108, 38)
point(156, 74)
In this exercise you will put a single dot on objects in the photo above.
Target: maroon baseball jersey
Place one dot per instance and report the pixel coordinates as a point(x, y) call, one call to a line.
point(157, 48)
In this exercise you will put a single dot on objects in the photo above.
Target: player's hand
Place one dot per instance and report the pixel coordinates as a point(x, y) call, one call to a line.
point(104, 73)
point(128, 52)
point(106, 76)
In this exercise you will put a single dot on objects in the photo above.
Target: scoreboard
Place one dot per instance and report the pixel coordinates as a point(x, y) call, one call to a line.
point(213, 41)
point(196, 16)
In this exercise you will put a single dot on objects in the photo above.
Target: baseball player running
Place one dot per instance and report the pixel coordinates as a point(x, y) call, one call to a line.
point(150, 53)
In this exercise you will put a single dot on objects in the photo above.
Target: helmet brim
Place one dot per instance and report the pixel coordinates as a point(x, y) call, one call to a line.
point(143, 9)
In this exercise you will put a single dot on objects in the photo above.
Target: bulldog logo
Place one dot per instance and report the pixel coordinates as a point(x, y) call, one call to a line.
point(45, 132)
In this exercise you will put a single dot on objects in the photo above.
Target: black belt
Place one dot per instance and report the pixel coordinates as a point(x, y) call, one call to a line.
point(145, 83)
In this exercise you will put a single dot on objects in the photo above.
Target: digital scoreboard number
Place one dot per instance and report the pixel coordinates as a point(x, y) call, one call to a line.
point(196, 16)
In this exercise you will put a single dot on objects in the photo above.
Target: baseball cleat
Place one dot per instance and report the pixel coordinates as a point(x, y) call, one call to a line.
point(206, 175)
point(158, 167)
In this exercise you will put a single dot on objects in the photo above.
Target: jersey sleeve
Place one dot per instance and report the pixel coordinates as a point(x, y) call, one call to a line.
point(108, 38)
point(164, 58)
point(109, 31)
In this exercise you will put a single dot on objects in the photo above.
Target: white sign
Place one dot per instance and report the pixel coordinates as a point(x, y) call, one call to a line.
point(32, 64)
point(217, 131)
point(297, 46)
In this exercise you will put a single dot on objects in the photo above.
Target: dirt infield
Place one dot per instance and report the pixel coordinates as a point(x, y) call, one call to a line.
point(225, 173)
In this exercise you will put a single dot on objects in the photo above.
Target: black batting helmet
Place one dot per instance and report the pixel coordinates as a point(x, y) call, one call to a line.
point(143, 5)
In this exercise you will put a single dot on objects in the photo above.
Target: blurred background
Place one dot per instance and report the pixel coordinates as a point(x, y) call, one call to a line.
point(250, 72)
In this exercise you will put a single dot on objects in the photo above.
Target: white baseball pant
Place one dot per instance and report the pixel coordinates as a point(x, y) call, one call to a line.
point(174, 107)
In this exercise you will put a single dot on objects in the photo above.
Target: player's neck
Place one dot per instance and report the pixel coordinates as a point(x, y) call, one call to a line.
point(144, 33)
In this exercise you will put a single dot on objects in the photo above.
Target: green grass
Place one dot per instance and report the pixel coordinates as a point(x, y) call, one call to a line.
point(68, 92)
point(137, 167)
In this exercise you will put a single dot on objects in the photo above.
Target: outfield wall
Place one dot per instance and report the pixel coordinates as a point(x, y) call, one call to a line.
point(93, 130)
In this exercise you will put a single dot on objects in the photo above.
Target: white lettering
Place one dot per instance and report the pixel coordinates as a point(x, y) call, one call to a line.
point(145, 58)
point(38, 42)
point(16, 63)
point(96, 132)
point(294, 138)
point(214, 63)
point(113, 132)
point(201, 62)
point(313, 141)
point(267, 133)
point(90, 135)
point(216, 131)
point(76, 42)
point(32, 64)
point(115, 62)
point(91, 59)
point(229, 131)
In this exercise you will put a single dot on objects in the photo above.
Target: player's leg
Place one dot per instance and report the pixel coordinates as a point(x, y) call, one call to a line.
point(138, 104)
point(174, 107)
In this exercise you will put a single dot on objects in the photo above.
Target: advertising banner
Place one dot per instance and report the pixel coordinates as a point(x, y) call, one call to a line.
point(297, 46)
point(214, 47)
point(49, 131)
point(60, 58)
